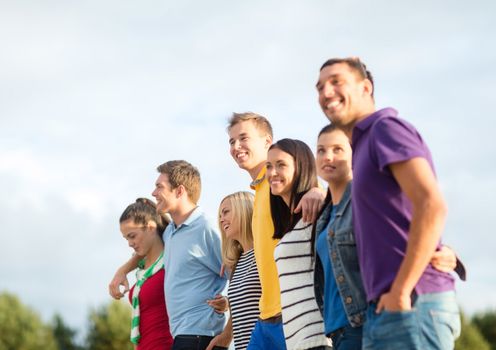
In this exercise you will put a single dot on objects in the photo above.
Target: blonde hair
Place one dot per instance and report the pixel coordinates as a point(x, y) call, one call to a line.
point(241, 212)
point(261, 123)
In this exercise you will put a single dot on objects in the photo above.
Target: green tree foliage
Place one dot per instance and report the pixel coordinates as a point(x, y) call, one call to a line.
point(21, 328)
point(470, 338)
point(486, 323)
point(109, 327)
point(64, 335)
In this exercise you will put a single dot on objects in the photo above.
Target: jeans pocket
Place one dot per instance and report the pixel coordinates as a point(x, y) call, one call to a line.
point(446, 326)
point(393, 330)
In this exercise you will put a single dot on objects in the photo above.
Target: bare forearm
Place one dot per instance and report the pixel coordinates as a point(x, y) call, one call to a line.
point(130, 265)
point(224, 338)
point(425, 230)
point(311, 203)
point(120, 277)
point(228, 330)
point(418, 183)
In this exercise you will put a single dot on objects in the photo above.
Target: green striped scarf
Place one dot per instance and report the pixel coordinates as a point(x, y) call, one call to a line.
point(141, 277)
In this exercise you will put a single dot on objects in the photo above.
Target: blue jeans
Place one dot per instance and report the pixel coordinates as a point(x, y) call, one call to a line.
point(433, 323)
point(347, 338)
point(267, 335)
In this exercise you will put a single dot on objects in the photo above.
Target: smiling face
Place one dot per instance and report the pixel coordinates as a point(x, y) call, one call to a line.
point(248, 146)
point(228, 223)
point(334, 157)
point(344, 96)
point(280, 173)
point(140, 238)
point(165, 196)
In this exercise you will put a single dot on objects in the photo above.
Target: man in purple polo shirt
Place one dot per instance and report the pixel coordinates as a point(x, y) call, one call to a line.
point(398, 216)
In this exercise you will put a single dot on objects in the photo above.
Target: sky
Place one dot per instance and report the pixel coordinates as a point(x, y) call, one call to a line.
point(94, 95)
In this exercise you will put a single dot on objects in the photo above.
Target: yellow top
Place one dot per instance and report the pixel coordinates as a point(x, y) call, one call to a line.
point(264, 245)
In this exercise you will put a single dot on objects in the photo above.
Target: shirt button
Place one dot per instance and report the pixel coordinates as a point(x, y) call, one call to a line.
point(331, 233)
point(348, 300)
point(341, 279)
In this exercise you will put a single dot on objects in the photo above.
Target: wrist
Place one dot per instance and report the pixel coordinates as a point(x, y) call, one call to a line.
point(401, 291)
point(225, 337)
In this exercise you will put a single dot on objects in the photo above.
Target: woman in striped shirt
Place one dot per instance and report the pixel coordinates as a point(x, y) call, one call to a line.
point(291, 173)
point(235, 214)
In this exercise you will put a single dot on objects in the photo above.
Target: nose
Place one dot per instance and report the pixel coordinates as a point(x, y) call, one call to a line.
point(329, 156)
point(271, 171)
point(235, 144)
point(328, 90)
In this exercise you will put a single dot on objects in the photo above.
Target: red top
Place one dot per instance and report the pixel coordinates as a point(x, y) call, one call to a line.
point(154, 322)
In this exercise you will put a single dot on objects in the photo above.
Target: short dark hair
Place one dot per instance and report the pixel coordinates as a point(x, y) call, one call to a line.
point(329, 128)
point(305, 178)
point(180, 172)
point(355, 64)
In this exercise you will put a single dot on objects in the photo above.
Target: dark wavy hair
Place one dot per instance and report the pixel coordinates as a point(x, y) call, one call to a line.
point(305, 178)
point(142, 211)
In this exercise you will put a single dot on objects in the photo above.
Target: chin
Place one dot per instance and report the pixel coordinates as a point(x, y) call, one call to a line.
point(335, 118)
point(329, 118)
point(326, 179)
point(246, 165)
point(161, 210)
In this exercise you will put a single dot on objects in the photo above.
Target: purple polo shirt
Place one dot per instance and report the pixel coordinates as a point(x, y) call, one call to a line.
point(381, 211)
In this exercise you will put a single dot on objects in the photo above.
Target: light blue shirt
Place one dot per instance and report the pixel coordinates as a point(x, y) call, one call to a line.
point(334, 313)
point(192, 259)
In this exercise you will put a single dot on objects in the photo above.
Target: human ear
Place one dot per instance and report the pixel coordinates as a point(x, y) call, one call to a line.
point(180, 190)
point(268, 141)
point(368, 88)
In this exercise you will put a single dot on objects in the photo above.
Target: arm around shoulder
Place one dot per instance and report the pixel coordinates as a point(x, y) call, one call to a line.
point(120, 277)
point(311, 203)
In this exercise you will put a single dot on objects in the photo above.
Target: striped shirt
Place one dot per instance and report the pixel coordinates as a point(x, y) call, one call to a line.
point(302, 321)
point(244, 294)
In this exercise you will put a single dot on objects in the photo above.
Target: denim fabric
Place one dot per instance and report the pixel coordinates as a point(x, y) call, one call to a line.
point(343, 253)
point(267, 335)
point(433, 323)
point(347, 338)
point(334, 314)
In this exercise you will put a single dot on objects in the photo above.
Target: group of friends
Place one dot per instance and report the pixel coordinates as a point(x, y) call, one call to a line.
point(358, 265)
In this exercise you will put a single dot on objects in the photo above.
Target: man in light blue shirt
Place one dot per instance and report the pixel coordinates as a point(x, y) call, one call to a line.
point(192, 259)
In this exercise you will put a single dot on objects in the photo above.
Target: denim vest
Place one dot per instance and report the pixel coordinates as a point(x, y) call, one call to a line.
point(343, 253)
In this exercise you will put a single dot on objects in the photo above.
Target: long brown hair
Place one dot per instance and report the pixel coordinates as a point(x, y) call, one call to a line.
point(305, 178)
